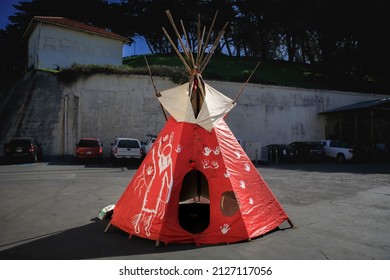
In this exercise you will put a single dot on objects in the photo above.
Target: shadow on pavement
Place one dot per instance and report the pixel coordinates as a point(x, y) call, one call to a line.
point(85, 242)
point(91, 242)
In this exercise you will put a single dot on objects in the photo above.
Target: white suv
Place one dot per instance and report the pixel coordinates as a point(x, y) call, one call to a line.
point(126, 148)
point(148, 144)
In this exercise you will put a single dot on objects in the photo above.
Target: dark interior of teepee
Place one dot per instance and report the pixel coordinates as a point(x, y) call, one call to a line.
point(194, 206)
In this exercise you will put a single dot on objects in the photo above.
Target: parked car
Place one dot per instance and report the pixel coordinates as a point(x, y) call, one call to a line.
point(362, 152)
point(281, 152)
point(308, 150)
point(148, 143)
point(89, 148)
point(26, 148)
point(337, 150)
point(126, 148)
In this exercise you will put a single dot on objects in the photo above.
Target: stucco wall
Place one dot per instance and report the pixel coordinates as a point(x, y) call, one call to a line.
point(52, 47)
point(106, 106)
point(109, 106)
point(274, 114)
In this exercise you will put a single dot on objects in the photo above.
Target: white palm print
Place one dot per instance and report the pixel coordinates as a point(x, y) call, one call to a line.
point(207, 151)
point(225, 228)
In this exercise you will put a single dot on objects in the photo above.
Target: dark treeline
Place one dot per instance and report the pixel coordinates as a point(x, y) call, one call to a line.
point(340, 36)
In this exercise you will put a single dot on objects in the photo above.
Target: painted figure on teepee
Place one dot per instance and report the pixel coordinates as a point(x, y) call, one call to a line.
point(196, 184)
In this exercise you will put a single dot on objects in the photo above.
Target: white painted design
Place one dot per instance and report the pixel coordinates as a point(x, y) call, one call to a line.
point(149, 170)
point(179, 148)
point(152, 207)
point(206, 164)
point(207, 151)
point(225, 228)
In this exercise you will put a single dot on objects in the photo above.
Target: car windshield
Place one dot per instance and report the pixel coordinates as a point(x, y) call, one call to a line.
point(128, 144)
point(88, 143)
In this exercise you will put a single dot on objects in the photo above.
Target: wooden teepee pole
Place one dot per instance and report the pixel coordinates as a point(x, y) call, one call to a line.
point(190, 56)
point(207, 40)
point(211, 52)
point(200, 41)
point(188, 68)
point(247, 81)
point(184, 47)
point(155, 88)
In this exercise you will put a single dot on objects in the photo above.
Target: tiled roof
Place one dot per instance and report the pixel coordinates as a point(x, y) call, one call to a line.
point(73, 24)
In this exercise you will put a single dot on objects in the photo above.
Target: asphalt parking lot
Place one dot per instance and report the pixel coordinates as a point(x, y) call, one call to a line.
point(49, 211)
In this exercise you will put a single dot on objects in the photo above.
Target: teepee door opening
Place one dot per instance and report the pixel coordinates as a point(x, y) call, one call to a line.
point(194, 205)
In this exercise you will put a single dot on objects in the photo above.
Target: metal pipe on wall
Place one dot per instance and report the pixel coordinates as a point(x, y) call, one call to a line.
point(65, 125)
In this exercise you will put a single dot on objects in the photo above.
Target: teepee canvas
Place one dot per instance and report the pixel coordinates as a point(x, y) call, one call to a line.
point(196, 184)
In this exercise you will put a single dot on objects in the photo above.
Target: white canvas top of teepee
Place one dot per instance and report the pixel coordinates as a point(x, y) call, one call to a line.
point(214, 106)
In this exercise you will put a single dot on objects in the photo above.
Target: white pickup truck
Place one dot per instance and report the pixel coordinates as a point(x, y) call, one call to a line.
point(337, 150)
point(126, 148)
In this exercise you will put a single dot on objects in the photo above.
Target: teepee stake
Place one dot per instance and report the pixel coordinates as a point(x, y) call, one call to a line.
point(108, 227)
point(290, 223)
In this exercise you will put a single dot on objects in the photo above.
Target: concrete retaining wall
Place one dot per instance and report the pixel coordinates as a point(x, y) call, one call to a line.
point(108, 106)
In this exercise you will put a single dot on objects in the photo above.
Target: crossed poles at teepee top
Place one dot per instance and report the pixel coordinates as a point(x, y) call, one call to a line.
point(193, 66)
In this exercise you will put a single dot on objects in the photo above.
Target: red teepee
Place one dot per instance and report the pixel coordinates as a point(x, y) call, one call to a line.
point(197, 184)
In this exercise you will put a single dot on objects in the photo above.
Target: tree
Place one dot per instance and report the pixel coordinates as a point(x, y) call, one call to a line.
point(345, 37)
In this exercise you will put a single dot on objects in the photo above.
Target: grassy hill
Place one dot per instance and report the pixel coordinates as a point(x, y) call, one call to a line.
point(235, 69)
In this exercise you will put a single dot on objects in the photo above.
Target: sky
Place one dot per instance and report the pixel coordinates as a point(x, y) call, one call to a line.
point(6, 10)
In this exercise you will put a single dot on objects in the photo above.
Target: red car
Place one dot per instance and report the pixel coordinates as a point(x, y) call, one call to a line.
point(89, 148)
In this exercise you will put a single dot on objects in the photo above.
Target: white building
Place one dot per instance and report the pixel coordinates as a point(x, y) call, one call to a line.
point(57, 42)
